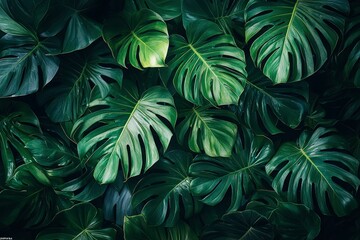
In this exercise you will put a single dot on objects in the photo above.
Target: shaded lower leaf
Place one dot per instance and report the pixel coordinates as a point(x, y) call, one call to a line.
point(245, 225)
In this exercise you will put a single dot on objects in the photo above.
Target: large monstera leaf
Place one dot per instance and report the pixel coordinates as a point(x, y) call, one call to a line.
point(316, 171)
point(141, 38)
point(291, 40)
point(168, 9)
point(67, 97)
point(207, 66)
point(241, 174)
point(166, 190)
point(30, 201)
point(18, 124)
point(82, 221)
point(290, 220)
point(229, 15)
point(136, 228)
point(246, 225)
point(206, 129)
point(125, 127)
point(265, 107)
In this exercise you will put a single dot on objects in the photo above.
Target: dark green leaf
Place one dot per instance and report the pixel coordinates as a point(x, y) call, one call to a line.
point(316, 171)
point(142, 38)
point(82, 221)
point(168, 9)
point(166, 191)
point(135, 228)
point(291, 40)
point(207, 66)
point(245, 225)
point(122, 128)
point(241, 174)
point(206, 129)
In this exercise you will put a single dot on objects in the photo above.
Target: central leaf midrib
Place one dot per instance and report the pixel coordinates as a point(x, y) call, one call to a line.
point(203, 60)
point(141, 41)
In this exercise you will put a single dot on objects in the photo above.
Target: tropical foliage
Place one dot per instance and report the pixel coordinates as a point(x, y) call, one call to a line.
point(179, 119)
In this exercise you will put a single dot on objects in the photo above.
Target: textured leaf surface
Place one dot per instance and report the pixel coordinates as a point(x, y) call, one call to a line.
point(136, 228)
point(141, 38)
point(246, 225)
point(207, 129)
point(67, 97)
point(240, 174)
point(122, 128)
point(168, 9)
point(315, 169)
point(165, 192)
point(82, 221)
point(206, 66)
point(291, 40)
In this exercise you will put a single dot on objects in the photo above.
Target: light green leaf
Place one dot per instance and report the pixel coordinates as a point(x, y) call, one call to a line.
point(206, 129)
point(165, 192)
point(124, 127)
point(206, 66)
point(142, 38)
point(291, 40)
point(316, 171)
point(136, 228)
point(240, 175)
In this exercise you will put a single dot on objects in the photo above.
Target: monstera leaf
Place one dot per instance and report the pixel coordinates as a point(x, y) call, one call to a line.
point(70, 21)
point(166, 190)
point(229, 15)
point(291, 40)
point(82, 221)
point(17, 124)
point(142, 38)
point(316, 171)
point(208, 65)
point(209, 129)
point(136, 228)
point(246, 225)
point(240, 174)
point(31, 200)
point(67, 97)
point(167, 9)
point(290, 220)
point(264, 107)
point(125, 127)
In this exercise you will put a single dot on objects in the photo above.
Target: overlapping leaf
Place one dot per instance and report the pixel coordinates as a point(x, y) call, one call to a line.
point(291, 40)
point(67, 97)
point(168, 9)
point(316, 171)
point(241, 174)
point(141, 38)
point(206, 129)
point(206, 66)
point(124, 127)
point(166, 190)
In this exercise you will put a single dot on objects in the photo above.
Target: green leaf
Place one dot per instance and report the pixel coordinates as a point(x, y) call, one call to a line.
point(229, 15)
point(263, 106)
point(246, 225)
point(67, 97)
point(135, 228)
point(82, 221)
point(208, 65)
point(316, 171)
point(25, 65)
point(290, 220)
point(18, 124)
point(165, 192)
point(291, 40)
point(241, 174)
point(141, 38)
point(69, 20)
point(206, 129)
point(167, 9)
point(31, 202)
point(125, 127)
